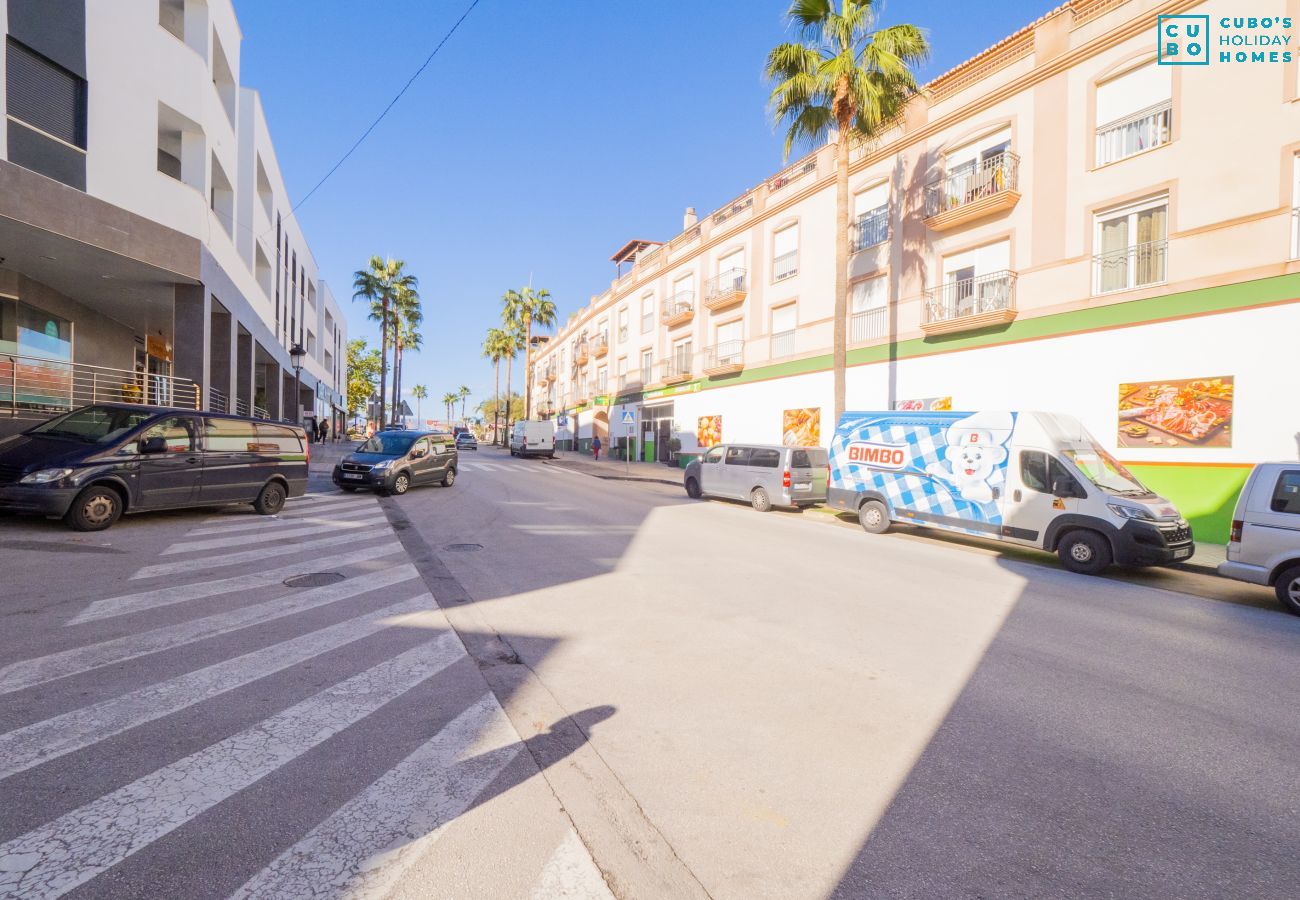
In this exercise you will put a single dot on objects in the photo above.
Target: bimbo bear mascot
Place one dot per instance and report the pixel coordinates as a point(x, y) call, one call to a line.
point(974, 451)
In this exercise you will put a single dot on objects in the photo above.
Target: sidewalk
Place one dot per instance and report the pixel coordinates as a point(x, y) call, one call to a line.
point(617, 470)
point(1206, 559)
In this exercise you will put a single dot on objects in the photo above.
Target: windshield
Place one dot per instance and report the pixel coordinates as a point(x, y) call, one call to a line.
point(93, 424)
point(1105, 471)
point(388, 444)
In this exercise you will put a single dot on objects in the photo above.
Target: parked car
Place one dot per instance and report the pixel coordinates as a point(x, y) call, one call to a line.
point(1264, 546)
point(764, 475)
point(392, 462)
point(466, 441)
point(95, 463)
point(1029, 478)
point(533, 437)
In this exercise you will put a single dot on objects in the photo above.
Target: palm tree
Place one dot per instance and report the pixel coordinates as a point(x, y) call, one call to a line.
point(845, 79)
point(405, 338)
point(407, 314)
point(494, 348)
point(379, 283)
point(449, 404)
point(527, 308)
point(464, 395)
point(419, 392)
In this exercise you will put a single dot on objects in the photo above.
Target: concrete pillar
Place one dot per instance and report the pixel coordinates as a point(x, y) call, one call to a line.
point(190, 350)
point(222, 358)
point(245, 365)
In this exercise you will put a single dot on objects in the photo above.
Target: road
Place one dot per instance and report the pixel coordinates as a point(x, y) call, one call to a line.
point(539, 683)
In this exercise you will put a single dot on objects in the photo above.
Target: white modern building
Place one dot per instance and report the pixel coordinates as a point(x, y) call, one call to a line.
point(147, 246)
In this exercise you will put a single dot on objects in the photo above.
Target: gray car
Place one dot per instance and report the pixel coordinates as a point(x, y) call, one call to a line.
point(764, 475)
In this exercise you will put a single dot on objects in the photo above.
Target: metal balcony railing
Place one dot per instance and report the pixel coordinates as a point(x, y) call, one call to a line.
point(989, 177)
point(675, 367)
point(871, 228)
point(724, 354)
point(679, 304)
point(38, 384)
point(866, 324)
point(785, 266)
point(732, 281)
point(600, 344)
point(791, 175)
point(217, 401)
point(1134, 133)
point(261, 412)
point(241, 408)
point(733, 209)
point(581, 353)
point(1129, 267)
point(782, 343)
point(971, 297)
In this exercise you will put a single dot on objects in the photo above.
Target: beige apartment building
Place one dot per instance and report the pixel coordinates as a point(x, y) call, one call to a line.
point(1064, 223)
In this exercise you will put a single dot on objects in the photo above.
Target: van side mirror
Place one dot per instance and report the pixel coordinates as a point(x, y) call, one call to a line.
point(153, 445)
point(1065, 487)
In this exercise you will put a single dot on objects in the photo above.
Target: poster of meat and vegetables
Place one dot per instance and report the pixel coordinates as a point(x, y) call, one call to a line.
point(708, 431)
point(1196, 412)
point(802, 427)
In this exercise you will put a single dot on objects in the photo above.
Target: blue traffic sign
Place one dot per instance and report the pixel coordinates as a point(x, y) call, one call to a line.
point(629, 417)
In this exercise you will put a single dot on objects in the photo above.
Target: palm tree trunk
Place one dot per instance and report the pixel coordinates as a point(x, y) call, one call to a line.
point(496, 404)
point(383, 362)
point(509, 377)
point(397, 370)
point(528, 367)
point(840, 335)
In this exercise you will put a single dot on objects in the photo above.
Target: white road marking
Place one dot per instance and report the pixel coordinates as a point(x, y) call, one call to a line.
point(365, 847)
point(241, 539)
point(42, 741)
point(56, 857)
point(272, 523)
point(183, 593)
point(586, 530)
point(571, 872)
point(28, 672)
point(245, 514)
point(246, 556)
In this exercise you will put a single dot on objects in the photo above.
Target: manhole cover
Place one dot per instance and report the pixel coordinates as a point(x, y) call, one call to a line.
point(463, 548)
point(314, 579)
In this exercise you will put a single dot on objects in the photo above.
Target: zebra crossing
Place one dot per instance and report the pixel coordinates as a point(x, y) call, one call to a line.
point(522, 468)
point(362, 659)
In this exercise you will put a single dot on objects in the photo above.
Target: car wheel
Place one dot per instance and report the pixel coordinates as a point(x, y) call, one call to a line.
point(873, 517)
point(402, 483)
point(1288, 589)
point(693, 489)
point(449, 479)
point(270, 500)
point(760, 500)
point(95, 509)
point(1084, 552)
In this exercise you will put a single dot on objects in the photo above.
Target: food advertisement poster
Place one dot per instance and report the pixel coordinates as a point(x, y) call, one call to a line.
point(708, 431)
point(931, 404)
point(802, 427)
point(1195, 412)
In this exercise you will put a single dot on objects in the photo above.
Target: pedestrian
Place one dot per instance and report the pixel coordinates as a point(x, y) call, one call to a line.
point(595, 447)
point(324, 430)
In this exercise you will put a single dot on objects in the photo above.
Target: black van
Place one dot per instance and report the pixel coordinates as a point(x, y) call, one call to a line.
point(95, 463)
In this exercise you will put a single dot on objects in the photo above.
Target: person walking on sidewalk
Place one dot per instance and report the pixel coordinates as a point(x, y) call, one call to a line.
point(595, 448)
point(324, 430)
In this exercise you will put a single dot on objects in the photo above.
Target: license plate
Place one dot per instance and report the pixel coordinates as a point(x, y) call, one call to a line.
point(356, 475)
point(1183, 553)
point(803, 487)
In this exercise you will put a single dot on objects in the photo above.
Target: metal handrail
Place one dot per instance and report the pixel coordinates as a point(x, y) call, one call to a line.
point(49, 385)
point(866, 324)
point(997, 173)
point(599, 341)
point(260, 413)
point(782, 343)
point(1142, 130)
point(677, 364)
point(735, 208)
point(790, 175)
point(785, 266)
point(728, 282)
point(1130, 267)
point(679, 303)
point(725, 353)
point(241, 407)
point(217, 401)
point(871, 228)
point(971, 297)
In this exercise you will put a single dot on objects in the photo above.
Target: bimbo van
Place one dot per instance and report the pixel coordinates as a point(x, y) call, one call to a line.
point(1029, 478)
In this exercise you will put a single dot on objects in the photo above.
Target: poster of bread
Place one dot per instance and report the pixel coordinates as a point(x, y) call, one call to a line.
point(802, 427)
point(1176, 414)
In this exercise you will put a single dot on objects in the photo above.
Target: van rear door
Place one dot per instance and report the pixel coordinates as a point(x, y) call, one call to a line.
point(807, 474)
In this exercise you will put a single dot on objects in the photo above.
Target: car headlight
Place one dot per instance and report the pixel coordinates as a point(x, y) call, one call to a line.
point(382, 464)
point(1130, 512)
point(45, 476)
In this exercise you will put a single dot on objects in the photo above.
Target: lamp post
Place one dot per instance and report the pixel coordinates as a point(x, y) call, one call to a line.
point(296, 353)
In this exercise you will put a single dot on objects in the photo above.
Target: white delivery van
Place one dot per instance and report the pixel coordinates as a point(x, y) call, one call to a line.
point(1029, 478)
point(1264, 547)
point(533, 437)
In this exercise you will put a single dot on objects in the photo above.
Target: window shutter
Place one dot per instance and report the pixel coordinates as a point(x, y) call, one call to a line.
point(45, 95)
point(1133, 92)
point(785, 241)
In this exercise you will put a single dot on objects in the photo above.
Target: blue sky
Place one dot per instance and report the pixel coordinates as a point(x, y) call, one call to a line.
point(541, 138)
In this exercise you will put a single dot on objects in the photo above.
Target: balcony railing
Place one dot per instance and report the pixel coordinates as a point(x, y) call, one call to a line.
point(630, 382)
point(784, 179)
point(261, 413)
point(241, 407)
point(679, 308)
point(871, 228)
point(726, 290)
point(600, 345)
point(971, 303)
point(581, 353)
point(1132, 134)
point(675, 369)
point(868, 324)
point(217, 401)
point(996, 175)
point(1129, 267)
point(785, 266)
point(731, 210)
point(45, 385)
point(782, 344)
point(724, 358)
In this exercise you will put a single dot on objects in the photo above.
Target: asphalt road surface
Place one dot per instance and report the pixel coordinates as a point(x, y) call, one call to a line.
point(542, 684)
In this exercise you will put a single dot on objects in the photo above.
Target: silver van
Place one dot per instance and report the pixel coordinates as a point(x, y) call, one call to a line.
point(765, 475)
point(1264, 547)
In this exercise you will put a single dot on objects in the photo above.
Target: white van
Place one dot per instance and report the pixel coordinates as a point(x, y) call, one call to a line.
point(533, 437)
point(1029, 478)
point(1264, 547)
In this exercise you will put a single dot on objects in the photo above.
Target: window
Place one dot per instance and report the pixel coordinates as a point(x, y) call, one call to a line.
point(229, 435)
point(765, 458)
point(682, 291)
point(737, 456)
point(713, 456)
point(45, 96)
point(647, 363)
point(622, 323)
point(647, 313)
point(223, 78)
point(181, 148)
point(871, 217)
point(28, 331)
point(178, 432)
point(784, 321)
point(785, 253)
point(1134, 112)
point(94, 424)
point(979, 169)
point(683, 351)
point(974, 281)
point(1039, 471)
point(1286, 495)
point(277, 439)
point(621, 371)
point(420, 448)
point(171, 15)
point(222, 197)
point(1132, 246)
point(602, 379)
point(868, 317)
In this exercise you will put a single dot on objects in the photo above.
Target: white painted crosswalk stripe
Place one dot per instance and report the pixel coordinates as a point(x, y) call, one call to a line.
point(42, 741)
point(302, 505)
point(196, 565)
point(25, 673)
point(570, 530)
point(183, 593)
point(364, 848)
point(269, 524)
point(570, 873)
point(241, 539)
point(56, 857)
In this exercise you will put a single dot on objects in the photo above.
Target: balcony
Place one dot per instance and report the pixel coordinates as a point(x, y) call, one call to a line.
point(581, 353)
point(582, 393)
point(785, 266)
point(1143, 130)
point(675, 369)
point(962, 197)
point(679, 309)
point(546, 408)
point(869, 324)
point(36, 384)
point(726, 290)
point(600, 346)
point(1129, 267)
point(550, 374)
point(971, 303)
point(782, 344)
point(870, 229)
point(725, 358)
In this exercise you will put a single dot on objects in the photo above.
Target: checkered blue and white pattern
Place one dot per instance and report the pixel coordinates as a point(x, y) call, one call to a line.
point(924, 439)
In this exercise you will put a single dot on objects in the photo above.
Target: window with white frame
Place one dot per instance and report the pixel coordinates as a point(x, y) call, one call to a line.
point(602, 332)
point(602, 380)
point(870, 217)
point(976, 170)
point(974, 281)
point(683, 351)
point(784, 322)
point(621, 371)
point(1132, 245)
point(785, 253)
point(730, 277)
point(683, 294)
point(622, 324)
point(1134, 112)
point(647, 366)
point(729, 344)
point(868, 310)
point(647, 313)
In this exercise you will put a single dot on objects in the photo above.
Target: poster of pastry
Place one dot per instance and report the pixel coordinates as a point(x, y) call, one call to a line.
point(802, 427)
point(1195, 412)
point(708, 431)
point(931, 404)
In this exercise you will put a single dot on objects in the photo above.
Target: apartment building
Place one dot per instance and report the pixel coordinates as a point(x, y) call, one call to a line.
point(1062, 224)
point(147, 246)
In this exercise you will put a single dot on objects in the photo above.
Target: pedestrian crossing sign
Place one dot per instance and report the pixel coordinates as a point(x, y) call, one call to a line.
point(629, 417)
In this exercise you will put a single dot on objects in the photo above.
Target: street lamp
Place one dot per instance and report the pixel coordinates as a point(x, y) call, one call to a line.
point(296, 353)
